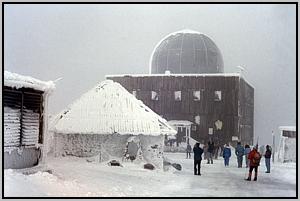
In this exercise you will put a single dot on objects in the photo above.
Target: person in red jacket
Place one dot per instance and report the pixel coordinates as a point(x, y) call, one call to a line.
point(254, 158)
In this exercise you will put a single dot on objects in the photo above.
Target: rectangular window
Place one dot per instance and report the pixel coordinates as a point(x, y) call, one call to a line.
point(196, 95)
point(291, 134)
point(154, 96)
point(23, 119)
point(197, 119)
point(218, 96)
point(177, 95)
point(234, 138)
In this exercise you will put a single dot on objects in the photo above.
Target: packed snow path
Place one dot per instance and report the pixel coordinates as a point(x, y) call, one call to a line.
point(77, 178)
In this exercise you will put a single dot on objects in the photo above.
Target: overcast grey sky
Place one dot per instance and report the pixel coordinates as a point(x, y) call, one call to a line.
point(83, 43)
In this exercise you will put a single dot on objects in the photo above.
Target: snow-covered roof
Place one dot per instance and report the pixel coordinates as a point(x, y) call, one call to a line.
point(180, 123)
point(20, 81)
point(167, 74)
point(109, 108)
point(287, 128)
point(178, 75)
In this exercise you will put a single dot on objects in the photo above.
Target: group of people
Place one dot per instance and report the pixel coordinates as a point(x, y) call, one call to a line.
point(252, 157)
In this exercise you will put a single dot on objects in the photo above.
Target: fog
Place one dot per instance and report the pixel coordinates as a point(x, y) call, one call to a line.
point(83, 43)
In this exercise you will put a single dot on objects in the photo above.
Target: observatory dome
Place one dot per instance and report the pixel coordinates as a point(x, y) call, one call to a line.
point(186, 51)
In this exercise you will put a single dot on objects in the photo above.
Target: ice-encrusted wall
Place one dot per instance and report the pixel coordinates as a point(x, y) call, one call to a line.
point(290, 150)
point(152, 148)
point(287, 150)
point(107, 147)
point(12, 127)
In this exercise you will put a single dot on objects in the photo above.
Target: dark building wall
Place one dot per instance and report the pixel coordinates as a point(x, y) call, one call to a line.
point(246, 114)
point(234, 91)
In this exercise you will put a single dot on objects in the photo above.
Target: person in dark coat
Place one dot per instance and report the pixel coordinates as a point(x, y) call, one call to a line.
point(268, 154)
point(247, 151)
point(226, 154)
point(197, 158)
point(239, 151)
point(210, 152)
point(254, 157)
point(188, 150)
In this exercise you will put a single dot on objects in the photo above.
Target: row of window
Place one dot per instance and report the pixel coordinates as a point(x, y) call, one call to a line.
point(177, 95)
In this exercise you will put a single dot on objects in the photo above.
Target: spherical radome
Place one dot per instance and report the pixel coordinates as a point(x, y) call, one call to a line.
point(184, 52)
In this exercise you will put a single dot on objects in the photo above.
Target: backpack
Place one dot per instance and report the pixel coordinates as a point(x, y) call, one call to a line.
point(256, 158)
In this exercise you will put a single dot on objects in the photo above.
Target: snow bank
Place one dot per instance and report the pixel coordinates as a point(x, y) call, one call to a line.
point(17, 81)
point(77, 178)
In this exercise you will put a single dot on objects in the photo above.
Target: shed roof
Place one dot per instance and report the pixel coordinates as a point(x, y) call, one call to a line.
point(180, 123)
point(17, 81)
point(109, 108)
point(287, 128)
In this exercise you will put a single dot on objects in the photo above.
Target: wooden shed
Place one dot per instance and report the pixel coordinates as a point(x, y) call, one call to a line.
point(25, 119)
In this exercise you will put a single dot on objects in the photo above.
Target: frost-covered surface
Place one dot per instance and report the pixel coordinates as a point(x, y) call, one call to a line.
point(287, 146)
point(109, 147)
point(109, 108)
point(287, 150)
point(19, 81)
point(31, 126)
point(177, 75)
point(239, 75)
point(76, 177)
point(180, 122)
point(12, 126)
point(287, 128)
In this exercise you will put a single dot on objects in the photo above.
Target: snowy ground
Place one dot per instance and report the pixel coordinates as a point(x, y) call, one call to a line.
point(77, 178)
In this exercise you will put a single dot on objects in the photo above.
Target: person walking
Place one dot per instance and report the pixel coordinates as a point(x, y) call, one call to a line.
point(216, 150)
point(268, 154)
point(247, 151)
point(226, 154)
point(188, 150)
point(210, 151)
point(198, 151)
point(239, 152)
point(254, 157)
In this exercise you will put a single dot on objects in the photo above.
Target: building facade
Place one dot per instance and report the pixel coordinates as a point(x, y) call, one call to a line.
point(219, 107)
point(187, 85)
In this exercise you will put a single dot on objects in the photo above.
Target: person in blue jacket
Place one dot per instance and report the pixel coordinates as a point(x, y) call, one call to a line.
point(226, 154)
point(198, 151)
